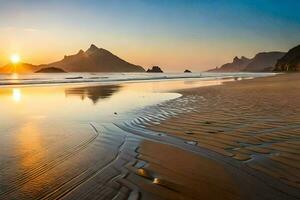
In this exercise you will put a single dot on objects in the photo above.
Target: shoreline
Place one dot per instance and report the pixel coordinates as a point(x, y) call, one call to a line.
point(108, 78)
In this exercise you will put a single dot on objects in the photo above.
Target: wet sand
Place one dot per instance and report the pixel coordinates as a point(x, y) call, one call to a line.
point(250, 126)
point(60, 142)
point(239, 140)
point(174, 173)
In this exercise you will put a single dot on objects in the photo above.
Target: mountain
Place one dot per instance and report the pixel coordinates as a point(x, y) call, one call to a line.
point(290, 62)
point(50, 70)
point(237, 65)
point(19, 68)
point(264, 62)
point(94, 60)
point(261, 62)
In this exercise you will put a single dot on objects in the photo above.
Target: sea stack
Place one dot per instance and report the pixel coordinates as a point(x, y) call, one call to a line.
point(155, 69)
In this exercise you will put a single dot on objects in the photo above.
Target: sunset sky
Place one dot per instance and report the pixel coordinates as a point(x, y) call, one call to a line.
point(173, 34)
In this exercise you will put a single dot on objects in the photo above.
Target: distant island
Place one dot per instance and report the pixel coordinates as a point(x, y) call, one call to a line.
point(155, 69)
point(265, 62)
point(92, 60)
point(50, 70)
point(261, 62)
point(187, 71)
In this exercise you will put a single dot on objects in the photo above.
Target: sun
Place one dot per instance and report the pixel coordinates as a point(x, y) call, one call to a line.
point(15, 58)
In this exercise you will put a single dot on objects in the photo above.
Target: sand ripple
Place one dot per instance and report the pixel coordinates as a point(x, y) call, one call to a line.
point(254, 122)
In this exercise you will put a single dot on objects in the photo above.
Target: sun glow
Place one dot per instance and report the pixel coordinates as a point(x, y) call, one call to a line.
point(15, 58)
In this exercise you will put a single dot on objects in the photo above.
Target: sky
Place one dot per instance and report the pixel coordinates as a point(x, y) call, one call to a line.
point(174, 34)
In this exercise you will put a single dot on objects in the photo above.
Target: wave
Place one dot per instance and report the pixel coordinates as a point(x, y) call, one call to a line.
point(31, 79)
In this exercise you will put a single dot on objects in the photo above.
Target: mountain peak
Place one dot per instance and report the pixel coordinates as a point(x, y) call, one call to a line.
point(235, 59)
point(95, 59)
point(93, 48)
point(80, 52)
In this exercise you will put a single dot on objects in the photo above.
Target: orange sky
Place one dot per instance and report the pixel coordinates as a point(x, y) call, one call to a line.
point(195, 35)
point(40, 47)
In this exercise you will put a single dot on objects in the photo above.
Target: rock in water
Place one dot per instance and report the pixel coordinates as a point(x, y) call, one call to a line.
point(155, 69)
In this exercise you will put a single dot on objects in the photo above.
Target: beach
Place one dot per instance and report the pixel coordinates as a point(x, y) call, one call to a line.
point(229, 138)
point(149, 100)
point(252, 125)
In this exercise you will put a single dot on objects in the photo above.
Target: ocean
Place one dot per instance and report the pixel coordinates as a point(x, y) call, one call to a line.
point(59, 78)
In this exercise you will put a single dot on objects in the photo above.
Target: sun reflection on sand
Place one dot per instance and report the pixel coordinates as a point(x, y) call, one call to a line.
point(29, 139)
point(32, 153)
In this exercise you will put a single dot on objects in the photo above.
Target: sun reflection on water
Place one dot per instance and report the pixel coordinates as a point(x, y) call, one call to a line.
point(15, 76)
point(16, 94)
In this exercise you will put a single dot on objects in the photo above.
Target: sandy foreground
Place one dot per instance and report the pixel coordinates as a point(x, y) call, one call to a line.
point(251, 129)
point(239, 140)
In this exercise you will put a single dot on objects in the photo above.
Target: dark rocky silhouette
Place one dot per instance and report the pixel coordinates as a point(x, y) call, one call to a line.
point(261, 62)
point(95, 60)
point(290, 62)
point(155, 69)
point(237, 65)
point(50, 70)
point(187, 71)
point(264, 62)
